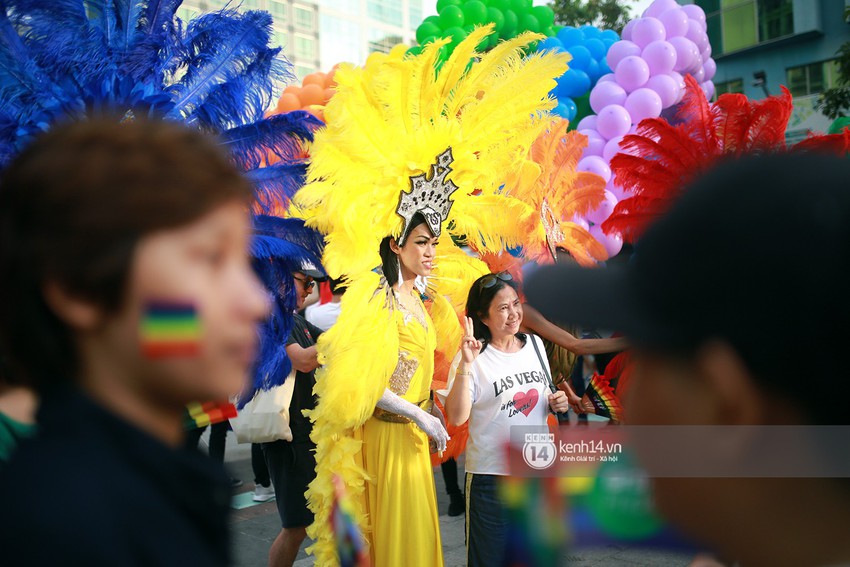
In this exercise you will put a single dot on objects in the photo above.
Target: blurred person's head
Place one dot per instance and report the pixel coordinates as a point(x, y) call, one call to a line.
point(414, 258)
point(494, 306)
point(736, 303)
point(305, 281)
point(101, 222)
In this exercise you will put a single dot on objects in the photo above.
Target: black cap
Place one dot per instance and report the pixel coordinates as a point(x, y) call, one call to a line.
point(310, 269)
point(756, 252)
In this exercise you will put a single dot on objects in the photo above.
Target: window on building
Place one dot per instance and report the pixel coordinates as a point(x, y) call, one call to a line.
point(381, 41)
point(278, 38)
point(737, 24)
point(305, 47)
point(811, 79)
point(186, 14)
point(733, 86)
point(340, 40)
point(303, 18)
point(385, 11)
point(277, 8)
point(414, 13)
point(250, 5)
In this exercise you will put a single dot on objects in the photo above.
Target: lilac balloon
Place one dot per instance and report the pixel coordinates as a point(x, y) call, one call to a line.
point(706, 53)
point(697, 35)
point(603, 211)
point(620, 51)
point(604, 94)
point(626, 34)
point(613, 243)
point(647, 30)
point(587, 123)
point(659, 7)
point(643, 103)
point(607, 77)
point(632, 73)
point(660, 56)
point(666, 89)
point(675, 22)
point(710, 68)
point(686, 53)
point(694, 12)
point(708, 89)
point(581, 222)
point(616, 190)
point(612, 148)
point(613, 121)
point(680, 82)
point(699, 74)
point(591, 134)
point(595, 165)
point(595, 145)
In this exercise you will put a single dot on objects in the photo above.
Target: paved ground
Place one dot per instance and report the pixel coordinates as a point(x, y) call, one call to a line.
point(256, 526)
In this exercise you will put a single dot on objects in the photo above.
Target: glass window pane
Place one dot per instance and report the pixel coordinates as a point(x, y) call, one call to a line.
point(796, 79)
point(733, 86)
point(776, 19)
point(305, 47)
point(739, 25)
point(385, 11)
point(816, 78)
point(303, 18)
point(278, 11)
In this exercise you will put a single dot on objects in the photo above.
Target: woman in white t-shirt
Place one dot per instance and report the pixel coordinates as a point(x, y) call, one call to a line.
point(499, 381)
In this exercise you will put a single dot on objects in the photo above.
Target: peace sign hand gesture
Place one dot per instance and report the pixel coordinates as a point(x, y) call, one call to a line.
point(469, 345)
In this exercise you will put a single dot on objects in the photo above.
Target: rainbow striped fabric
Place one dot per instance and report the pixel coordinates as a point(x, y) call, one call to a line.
point(208, 413)
point(170, 330)
point(349, 541)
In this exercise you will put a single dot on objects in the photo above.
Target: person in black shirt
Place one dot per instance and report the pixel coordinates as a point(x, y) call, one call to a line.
point(292, 464)
point(110, 233)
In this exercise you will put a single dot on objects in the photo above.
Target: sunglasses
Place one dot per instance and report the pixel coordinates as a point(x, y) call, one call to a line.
point(490, 281)
point(308, 282)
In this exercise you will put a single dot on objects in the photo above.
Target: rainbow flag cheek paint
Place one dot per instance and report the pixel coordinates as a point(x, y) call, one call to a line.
point(170, 329)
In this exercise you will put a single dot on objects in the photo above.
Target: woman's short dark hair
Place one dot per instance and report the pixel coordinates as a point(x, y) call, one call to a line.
point(73, 206)
point(478, 304)
point(389, 259)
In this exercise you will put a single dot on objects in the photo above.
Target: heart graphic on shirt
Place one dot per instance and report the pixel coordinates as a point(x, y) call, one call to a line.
point(525, 401)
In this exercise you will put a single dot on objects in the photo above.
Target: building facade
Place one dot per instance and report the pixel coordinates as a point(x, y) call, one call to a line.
point(316, 35)
point(761, 44)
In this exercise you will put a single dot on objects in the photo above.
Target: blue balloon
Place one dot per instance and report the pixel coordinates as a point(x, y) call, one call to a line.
point(609, 35)
point(550, 44)
point(593, 71)
point(562, 109)
point(590, 31)
point(604, 69)
point(581, 57)
point(570, 36)
point(596, 47)
point(572, 109)
point(573, 83)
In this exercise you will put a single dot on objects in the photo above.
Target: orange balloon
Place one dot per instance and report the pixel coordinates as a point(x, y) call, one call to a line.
point(294, 89)
point(314, 79)
point(330, 82)
point(288, 102)
point(312, 94)
point(328, 94)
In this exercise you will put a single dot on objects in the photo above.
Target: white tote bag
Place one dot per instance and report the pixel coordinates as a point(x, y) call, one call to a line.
point(266, 417)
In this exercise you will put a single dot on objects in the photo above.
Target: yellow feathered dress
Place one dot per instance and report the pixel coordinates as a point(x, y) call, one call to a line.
point(387, 123)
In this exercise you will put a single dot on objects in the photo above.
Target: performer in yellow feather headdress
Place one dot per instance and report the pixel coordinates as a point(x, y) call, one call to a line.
point(408, 152)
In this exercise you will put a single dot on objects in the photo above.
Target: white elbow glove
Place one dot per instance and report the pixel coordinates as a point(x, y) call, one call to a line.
point(432, 426)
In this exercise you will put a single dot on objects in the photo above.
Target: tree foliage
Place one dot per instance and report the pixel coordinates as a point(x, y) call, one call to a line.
point(835, 102)
point(606, 14)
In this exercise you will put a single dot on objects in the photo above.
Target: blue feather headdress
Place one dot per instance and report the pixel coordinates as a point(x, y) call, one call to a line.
point(279, 248)
point(66, 59)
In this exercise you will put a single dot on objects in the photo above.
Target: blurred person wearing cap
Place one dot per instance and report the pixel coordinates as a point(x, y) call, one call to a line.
point(292, 464)
point(743, 275)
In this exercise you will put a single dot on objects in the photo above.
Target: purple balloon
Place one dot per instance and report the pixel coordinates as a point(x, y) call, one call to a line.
point(666, 89)
point(604, 94)
point(595, 145)
point(612, 148)
point(603, 211)
point(643, 103)
point(706, 53)
point(694, 12)
point(581, 222)
point(660, 56)
point(587, 123)
point(680, 82)
point(591, 134)
point(708, 89)
point(595, 165)
point(699, 74)
point(632, 73)
point(607, 77)
point(659, 7)
point(697, 35)
point(620, 51)
point(613, 243)
point(627, 31)
point(647, 30)
point(616, 190)
point(686, 53)
point(710, 68)
point(675, 22)
point(613, 121)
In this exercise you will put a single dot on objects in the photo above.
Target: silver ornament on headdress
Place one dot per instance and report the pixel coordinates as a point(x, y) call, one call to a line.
point(428, 197)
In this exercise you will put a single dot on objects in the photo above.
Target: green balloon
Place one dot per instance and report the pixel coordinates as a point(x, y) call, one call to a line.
point(622, 504)
point(457, 34)
point(548, 32)
point(557, 29)
point(544, 15)
point(527, 22)
point(839, 125)
point(427, 29)
point(520, 6)
point(432, 20)
point(501, 5)
point(414, 51)
point(431, 38)
point(494, 40)
point(451, 17)
point(474, 12)
point(443, 3)
point(511, 22)
point(497, 17)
